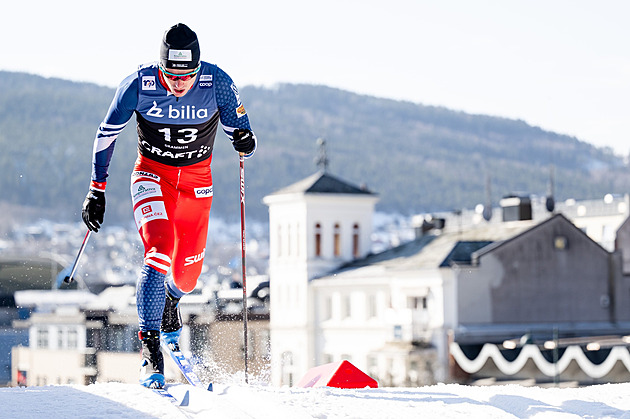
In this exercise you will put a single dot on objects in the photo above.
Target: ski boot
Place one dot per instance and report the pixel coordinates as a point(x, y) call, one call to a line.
point(152, 367)
point(171, 322)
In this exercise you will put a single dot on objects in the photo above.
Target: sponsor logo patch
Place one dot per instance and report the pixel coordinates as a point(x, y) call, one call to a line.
point(179, 55)
point(150, 211)
point(142, 173)
point(181, 112)
point(240, 111)
point(205, 81)
point(143, 190)
point(200, 152)
point(148, 82)
point(155, 111)
point(204, 192)
point(194, 259)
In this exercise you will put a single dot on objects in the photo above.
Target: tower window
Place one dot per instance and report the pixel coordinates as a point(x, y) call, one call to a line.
point(355, 241)
point(318, 240)
point(337, 240)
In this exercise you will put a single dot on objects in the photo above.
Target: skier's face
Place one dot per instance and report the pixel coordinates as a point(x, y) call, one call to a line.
point(179, 85)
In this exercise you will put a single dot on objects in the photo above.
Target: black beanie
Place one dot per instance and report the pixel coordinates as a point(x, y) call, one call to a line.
point(180, 48)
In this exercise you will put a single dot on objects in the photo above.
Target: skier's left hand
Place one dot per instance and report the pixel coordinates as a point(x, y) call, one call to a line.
point(243, 141)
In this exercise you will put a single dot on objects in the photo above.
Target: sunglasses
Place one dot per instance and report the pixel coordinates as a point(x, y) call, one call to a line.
point(182, 77)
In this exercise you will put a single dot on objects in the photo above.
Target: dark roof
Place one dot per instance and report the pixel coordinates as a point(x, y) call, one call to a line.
point(461, 254)
point(435, 250)
point(404, 250)
point(323, 182)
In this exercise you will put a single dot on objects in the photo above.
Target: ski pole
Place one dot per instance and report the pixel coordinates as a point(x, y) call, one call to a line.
point(242, 171)
point(68, 279)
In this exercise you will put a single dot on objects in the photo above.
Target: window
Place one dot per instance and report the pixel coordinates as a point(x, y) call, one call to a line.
point(397, 332)
point(287, 369)
point(289, 232)
point(42, 338)
point(318, 240)
point(355, 241)
point(73, 341)
point(60, 342)
point(279, 239)
point(116, 338)
point(372, 362)
point(372, 308)
point(89, 360)
point(372, 365)
point(337, 240)
point(327, 314)
point(560, 242)
point(297, 240)
point(417, 303)
point(347, 306)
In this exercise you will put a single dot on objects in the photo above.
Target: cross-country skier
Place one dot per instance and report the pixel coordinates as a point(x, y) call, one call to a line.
point(178, 102)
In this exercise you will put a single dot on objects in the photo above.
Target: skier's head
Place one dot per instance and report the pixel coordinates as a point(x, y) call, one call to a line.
point(180, 48)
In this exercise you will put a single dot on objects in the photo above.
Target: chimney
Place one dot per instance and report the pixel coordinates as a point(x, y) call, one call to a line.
point(429, 223)
point(516, 208)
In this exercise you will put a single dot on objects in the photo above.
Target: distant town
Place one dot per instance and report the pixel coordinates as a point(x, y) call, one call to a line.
point(410, 300)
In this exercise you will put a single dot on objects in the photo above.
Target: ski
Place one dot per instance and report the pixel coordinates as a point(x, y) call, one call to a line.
point(185, 367)
point(179, 401)
point(164, 393)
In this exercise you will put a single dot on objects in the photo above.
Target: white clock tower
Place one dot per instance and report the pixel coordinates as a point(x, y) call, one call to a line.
point(316, 225)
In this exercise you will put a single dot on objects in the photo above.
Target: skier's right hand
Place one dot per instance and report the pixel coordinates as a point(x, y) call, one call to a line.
point(93, 210)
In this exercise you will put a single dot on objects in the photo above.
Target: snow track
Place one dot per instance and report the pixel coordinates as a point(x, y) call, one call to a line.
point(132, 401)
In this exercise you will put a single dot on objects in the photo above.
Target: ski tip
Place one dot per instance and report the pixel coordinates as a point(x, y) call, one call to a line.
point(210, 387)
point(186, 400)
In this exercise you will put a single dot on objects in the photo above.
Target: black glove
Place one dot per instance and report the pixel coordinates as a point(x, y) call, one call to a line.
point(93, 210)
point(243, 141)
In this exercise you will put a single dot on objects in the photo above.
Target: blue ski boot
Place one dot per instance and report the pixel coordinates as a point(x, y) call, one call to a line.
point(152, 367)
point(171, 322)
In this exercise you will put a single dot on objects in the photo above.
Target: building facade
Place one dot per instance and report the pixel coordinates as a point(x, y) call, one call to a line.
point(76, 337)
point(423, 312)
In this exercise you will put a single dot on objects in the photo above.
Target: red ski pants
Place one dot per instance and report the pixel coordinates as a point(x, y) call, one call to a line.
point(171, 206)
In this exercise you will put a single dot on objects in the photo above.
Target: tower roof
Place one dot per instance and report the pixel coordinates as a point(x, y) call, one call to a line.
point(323, 182)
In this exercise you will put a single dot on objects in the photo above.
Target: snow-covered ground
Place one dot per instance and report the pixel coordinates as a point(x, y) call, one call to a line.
point(115, 400)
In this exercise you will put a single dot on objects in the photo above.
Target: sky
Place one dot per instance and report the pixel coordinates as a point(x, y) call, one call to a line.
point(132, 401)
point(561, 65)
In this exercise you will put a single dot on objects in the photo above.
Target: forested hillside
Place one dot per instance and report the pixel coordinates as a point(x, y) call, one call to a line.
point(417, 158)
